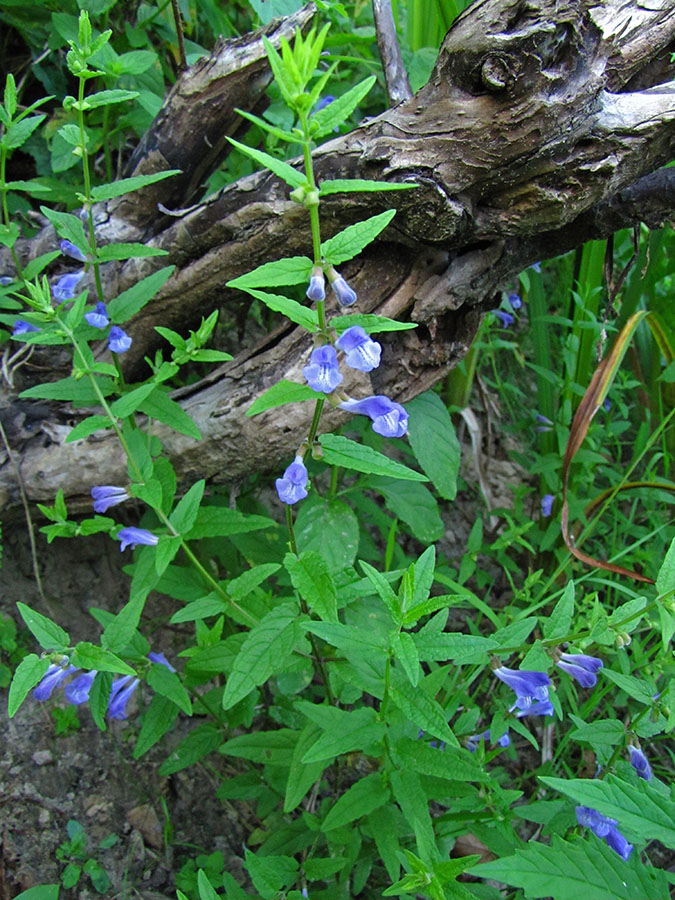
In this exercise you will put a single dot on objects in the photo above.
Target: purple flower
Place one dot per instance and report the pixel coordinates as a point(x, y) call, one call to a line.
point(346, 296)
point(78, 690)
point(65, 287)
point(529, 686)
point(293, 486)
point(161, 659)
point(536, 266)
point(121, 690)
point(98, 317)
point(5, 280)
point(118, 340)
point(361, 351)
point(515, 301)
point(23, 327)
point(606, 404)
point(323, 102)
point(107, 495)
point(504, 317)
point(132, 537)
point(69, 249)
point(545, 423)
point(475, 739)
point(605, 828)
point(322, 373)
point(317, 285)
point(547, 505)
point(541, 708)
point(389, 418)
point(580, 667)
point(52, 679)
point(640, 762)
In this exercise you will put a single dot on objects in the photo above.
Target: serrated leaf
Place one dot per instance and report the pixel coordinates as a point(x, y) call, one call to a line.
point(265, 649)
point(434, 441)
point(557, 625)
point(341, 451)
point(460, 648)
point(106, 98)
point(343, 731)
point(130, 402)
point(410, 796)
point(287, 173)
point(304, 316)
point(301, 776)
point(514, 634)
point(421, 709)
point(199, 743)
point(354, 238)
point(167, 683)
point(569, 870)
point(48, 634)
point(665, 580)
point(127, 251)
point(350, 185)
point(19, 132)
point(86, 427)
point(280, 133)
point(89, 656)
point(221, 521)
point(131, 301)
point(281, 393)
point(331, 528)
point(362, 798)
point(634, 687)
point(384, 590)
point(69, 227)
point(451, 763)
point(405, 651)
point(291, 270)
point(28, 673)
point(310, 576)
point(127, 185)
point(203, 608)
point(413, 504)
point(161, 407)
point(270, 874)
point(372, 323)
point(337, 112)
point(185, 514)
point(157, 721)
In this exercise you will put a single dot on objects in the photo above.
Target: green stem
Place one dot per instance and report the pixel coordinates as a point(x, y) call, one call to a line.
point(87, 191)
point(314, 427)
point(5, 208)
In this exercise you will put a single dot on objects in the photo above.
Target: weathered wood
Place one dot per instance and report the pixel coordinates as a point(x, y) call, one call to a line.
point(530, 137)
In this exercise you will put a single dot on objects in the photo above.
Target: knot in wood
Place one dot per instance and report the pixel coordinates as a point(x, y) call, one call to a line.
point(495, 72)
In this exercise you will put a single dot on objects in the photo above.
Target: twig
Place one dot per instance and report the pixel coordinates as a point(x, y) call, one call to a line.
point(395, 75)
point(179, 34)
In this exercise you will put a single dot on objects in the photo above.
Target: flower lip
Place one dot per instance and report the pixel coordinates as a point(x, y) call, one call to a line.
point(77, 691)
point(98, 317)
point(293, 486)
point(323, 373)
point(118, 340)
point(640, 762)
point(69, 249)
point(528, 685)
point(23, 327)
point(540, 708)
point(65, 287)
point(361, 351)
point(107, 495)
point(132, 537)
point(604, 828)
point(580, 667)
point(504, 317)
point(514, 300)
point(389, 418)
point(120, 692)
point(547, 505)
point(475, 739)
point(52, 679)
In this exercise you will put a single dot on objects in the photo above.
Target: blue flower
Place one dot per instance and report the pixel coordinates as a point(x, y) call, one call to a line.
point(640, 762)
point(118, 340)
point(604, 828)
point(69, 249)
point(120, 692)
point(65, 287)
point(107, 495)
point(475, 739)
point(6, 280)
point(317, 285)
point(606, 404)
point(580, 667)
point(293, 486)
point(52, 679)
point(322, 373)
point(545, 424)
point(323, 102)
point(346, 296)
point(504, 317)
point(536, 266)
point(78, 690)
point(98, 317)
point(23, 327)
point(361, 351)
point(540, 708)
point(529, 686)
point(389, 418)
point(132, 537)
point(515, 301)
point(547, 505)
point(161, 659)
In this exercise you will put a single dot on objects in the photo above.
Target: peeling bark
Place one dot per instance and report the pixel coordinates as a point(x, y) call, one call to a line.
point(542, 125)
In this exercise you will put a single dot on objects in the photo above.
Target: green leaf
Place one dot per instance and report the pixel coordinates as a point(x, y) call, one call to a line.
point(120, 630)
point(86, 427)
point(384, 589)
point(296, 312)
point(341, 451)
point(352, 240)
point(40, 892)
point(270, 874)
point(275, 747)
point(242, 586)
point(130, 402)
point(370, 322)
point(281, 393)
point(291, 270)
point(266, 648)
point(127, 251)
point(301, 776)
point(451, 763)
point(161, 407)
point(557, 625)
point(167, 683)
point(127, 185)
point(29, 672)
point(199, 743)
point(129, 302)
point(221, 521)
point(206, 889)
point(311, 577)
point(362, 798)
point(665, 580)
point(19, 132)
point(582, 868)
point(434, 442)
point(331, 528)
point(185, 514)
point(337, 112)
point(157, 721)
point(106, 98)
point(287, 173)
point(410, 796)
point(36, 265)
point(79, 393)
point(414, 504)
point(421, 709)
point(634, 687)
point(69, 227)
point(515, 634)
point(89, 656)
point(638, 807)
point(48, 634)
point(280, 133)
point(343, 731)
point(205, 607)
point(350, 185)
point(405, 651)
